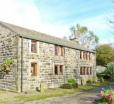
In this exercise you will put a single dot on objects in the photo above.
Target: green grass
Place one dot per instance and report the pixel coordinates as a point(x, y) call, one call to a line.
point(58, 92)
point(47, 94)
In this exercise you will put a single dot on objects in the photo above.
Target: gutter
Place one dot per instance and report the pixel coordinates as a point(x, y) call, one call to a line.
point(21, 64)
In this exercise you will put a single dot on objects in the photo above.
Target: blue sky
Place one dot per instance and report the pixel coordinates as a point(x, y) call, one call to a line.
point(91, 13)
point(55, 17)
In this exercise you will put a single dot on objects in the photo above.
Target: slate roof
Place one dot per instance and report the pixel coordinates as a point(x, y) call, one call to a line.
point(31, 34)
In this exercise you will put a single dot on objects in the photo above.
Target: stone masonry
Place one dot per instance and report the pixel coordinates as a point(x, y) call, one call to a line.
point(19, 49)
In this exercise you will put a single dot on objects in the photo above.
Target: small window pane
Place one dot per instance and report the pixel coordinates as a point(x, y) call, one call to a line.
point(33, 69)
point(61, 69)
point(34, 46)
point(56, 70)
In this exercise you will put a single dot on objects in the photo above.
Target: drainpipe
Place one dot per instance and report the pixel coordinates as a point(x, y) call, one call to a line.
point(17, 75)
point(21, 64)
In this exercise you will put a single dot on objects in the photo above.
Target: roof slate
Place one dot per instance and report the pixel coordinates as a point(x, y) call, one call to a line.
point(31, 34)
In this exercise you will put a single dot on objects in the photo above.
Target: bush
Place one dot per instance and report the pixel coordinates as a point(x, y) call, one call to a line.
point(101, 79)
point(94, 80)
point(67, 86)
point(106, 97)
point(71, 83)
point(110, 70)
point(89, 82)
point(75, 85)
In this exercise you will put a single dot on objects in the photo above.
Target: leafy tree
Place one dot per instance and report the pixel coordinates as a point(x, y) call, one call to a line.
point(82, 35)
point(78, 30)
point(110, 70)
point(104, 54)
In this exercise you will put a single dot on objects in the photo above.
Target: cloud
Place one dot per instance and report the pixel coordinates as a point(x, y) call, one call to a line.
point(99, 22)
point(20, 13)
point(100, 26)
point(27, 14)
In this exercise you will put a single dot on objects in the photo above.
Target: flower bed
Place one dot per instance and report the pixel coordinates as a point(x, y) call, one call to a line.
point(106, 97)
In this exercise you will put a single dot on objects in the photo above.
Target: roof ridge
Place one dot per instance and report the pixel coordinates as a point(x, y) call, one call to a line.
point(32, 34)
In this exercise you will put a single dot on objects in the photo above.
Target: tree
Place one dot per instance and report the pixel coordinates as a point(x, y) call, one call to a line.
point(110, 70)
point(104, 54)
point(83, 36)
point(78, 30)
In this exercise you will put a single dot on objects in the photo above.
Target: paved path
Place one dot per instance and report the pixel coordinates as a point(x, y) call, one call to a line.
point(87, 97)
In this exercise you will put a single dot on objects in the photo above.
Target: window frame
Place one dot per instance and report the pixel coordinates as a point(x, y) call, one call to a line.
point(59, 71)
point(35, 70)
point(36, 43)
point(59, 50)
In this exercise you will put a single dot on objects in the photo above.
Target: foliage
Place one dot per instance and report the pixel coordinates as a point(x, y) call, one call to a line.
point(84, 36)
point(71, 83)
point(110, 70)
point(81, 29)
point(104, 54)
point(6, 65)
point(67, 86)
point(106, 96)
point(101, 79)
point(89, 82)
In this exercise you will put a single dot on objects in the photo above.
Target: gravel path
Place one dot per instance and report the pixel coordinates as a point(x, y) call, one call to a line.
point(87, 97)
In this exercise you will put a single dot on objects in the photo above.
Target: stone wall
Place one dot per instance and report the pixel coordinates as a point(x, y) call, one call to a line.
point(8, 49)
point(20, 79)
point(46, 58)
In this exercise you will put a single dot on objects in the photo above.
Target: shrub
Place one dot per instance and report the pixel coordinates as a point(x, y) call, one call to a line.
point(67, 86)
point(110, 70)
point(101, 79)
point(6, 65)
point(75, 85)
point(106, 96)
point(89, 82)
point(71, 83)
point(94, 80)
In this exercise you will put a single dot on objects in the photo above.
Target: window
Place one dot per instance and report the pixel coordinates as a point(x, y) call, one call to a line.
point(61, 69)
point(84, 55)
point(62, 51)
point(56, 50)
point(58, 69)
point(81, 71)
point(81, 54)
point(34, 46)
point(59, 50)
point(34, 71)
point(85, 70)
point(89, 56)
point(90, 70)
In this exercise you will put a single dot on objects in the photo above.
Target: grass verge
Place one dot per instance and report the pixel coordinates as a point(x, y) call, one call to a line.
point(58, 92)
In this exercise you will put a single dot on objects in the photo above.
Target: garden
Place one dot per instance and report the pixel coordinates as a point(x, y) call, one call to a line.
point(106, 96)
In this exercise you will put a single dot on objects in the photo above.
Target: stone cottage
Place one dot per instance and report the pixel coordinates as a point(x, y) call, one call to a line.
point(40, 58)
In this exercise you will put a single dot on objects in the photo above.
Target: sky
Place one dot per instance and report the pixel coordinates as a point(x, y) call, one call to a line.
point(55, 17)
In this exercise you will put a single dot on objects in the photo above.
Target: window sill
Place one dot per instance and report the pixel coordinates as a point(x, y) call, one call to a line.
point(34, 77)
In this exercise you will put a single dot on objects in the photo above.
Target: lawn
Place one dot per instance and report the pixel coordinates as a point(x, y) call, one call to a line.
point(6, 96)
